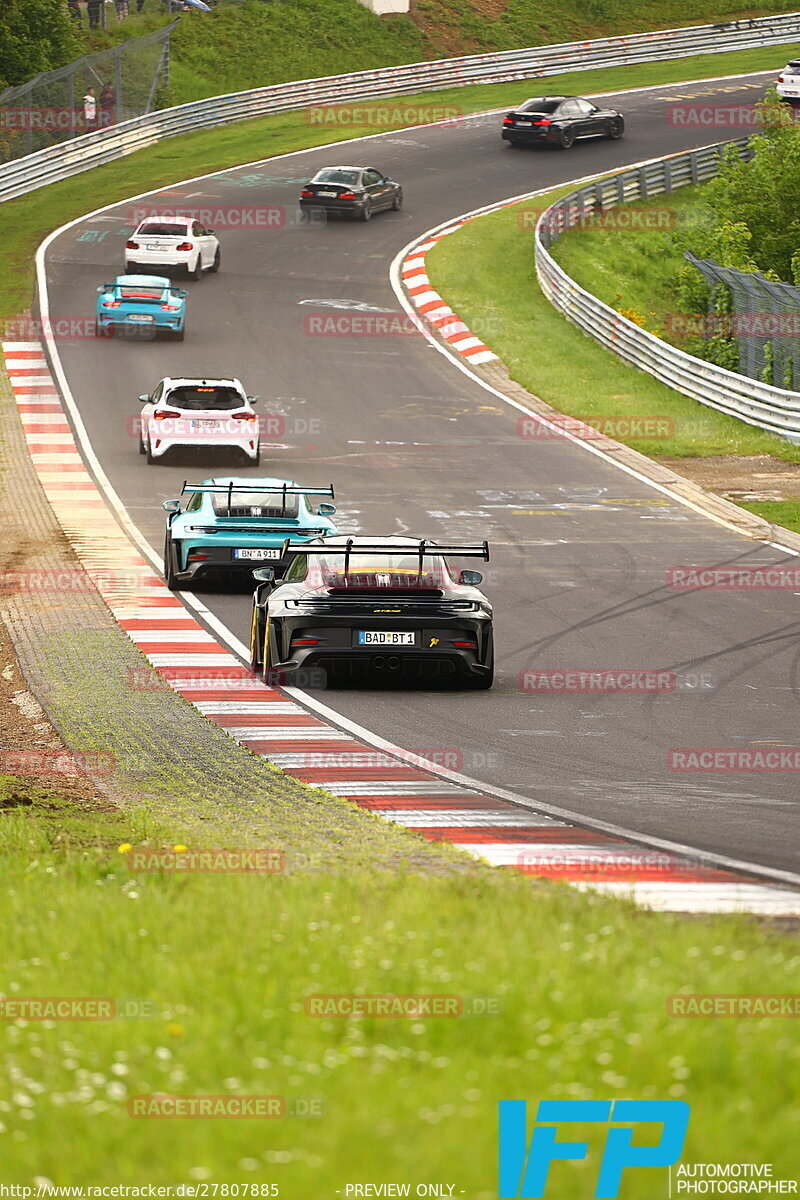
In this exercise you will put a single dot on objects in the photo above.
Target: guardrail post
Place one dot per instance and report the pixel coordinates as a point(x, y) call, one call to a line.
point(668, 178)
point(118, 83)
point(693, 169)
point(643, 182)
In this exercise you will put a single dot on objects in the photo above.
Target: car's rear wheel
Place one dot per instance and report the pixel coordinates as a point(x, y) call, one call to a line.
point(102, 331)
point(198, 269)
point(179, 334)
point(217, 263)
point(170, 576)
point(482, 683)
point(616, 128)
point(513, 145)
point(366, 212)
point(397, 203)
point(255, 642)
point(566, 139)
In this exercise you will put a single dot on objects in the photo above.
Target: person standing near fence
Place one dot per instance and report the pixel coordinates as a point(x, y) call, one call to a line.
point(74, 9)
point(122, 9)
point(90, 110)
point(93, 7)
point(108, 102)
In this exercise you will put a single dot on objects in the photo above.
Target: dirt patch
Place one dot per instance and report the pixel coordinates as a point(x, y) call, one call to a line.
point(752, 478)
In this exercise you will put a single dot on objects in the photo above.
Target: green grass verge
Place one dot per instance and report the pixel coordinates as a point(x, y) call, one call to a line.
point(486, 272)
point(24, 222)
point(224, 964)
point(780, 512)
point(252, 44)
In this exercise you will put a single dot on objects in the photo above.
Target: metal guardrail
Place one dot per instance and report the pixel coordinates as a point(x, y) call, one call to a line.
point(749, 400)
point(93, 149)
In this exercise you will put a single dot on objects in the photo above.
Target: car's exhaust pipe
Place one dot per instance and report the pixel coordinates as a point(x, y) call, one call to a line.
point(393, 663)
point(379, 663)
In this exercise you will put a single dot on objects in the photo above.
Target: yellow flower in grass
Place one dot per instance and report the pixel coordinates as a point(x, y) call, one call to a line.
point(124, 848)
point(179, 849)
point(175, 1030)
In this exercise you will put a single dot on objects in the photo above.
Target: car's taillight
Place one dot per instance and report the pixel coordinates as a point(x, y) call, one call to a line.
point(131, 245)
point(305, 641)
point(243, 416)
point(111, 303)
point(780, 79)
point(546, 121)
point(306, 192)
point(164, 413)
point(347, 195)
point(508, 120)
point(470, 645)
point(185, 246)
point(170, 308)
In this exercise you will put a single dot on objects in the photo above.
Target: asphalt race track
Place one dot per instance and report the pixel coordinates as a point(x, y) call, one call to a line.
point(580, 550)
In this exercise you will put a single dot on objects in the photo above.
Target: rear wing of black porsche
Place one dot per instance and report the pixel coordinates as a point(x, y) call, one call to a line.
point(284, 490)
point(423, 549)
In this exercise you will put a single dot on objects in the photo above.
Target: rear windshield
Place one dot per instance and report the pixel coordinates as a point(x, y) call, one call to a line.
point(255, 504)
point(542, 106)
point(146, 294)
point(794, 65)
point(161, 229)
point(334, 175)
point(375, 571)
point(204, 397)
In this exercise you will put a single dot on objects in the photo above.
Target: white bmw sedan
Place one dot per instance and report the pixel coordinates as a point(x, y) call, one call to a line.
point(178, 242)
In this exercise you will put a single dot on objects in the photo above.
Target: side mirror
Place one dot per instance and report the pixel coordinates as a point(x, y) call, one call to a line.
point(471, 578)
point(103, 288)
point(253, 399)
point(183, 293)
point(171, 506)
point(145, 399)
point(264, 574)
point(209, 231)
point(326, 510)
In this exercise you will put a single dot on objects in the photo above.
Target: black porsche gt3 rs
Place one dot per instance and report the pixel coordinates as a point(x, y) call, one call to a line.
point(351, 191)
point(359, 606)
point(560, 120)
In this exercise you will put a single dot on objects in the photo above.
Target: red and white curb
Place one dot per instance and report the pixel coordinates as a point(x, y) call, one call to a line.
point(392, 784)
point(432, 308)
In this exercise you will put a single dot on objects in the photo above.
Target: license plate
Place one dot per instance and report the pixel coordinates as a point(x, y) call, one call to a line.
point(139, 317)
point(152, 246)
point(395, 638)
point(206, 426)
point(523, 122)
point(256, 555)
point(327, 193)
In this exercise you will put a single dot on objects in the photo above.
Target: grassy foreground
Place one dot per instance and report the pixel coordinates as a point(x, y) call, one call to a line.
point(25, 222)
point(216, 970)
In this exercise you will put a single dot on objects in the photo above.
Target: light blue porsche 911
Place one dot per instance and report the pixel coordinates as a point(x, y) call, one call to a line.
point(141, 302)
point(229, 525)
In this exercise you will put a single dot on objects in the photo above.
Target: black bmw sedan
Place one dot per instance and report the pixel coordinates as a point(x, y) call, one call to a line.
point(560, 120)
point(354, 191)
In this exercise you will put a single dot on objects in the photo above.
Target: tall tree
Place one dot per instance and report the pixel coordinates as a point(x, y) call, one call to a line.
point(35, 35)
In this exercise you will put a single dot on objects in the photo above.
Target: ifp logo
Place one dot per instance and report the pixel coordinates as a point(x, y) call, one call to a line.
point(524, 1169)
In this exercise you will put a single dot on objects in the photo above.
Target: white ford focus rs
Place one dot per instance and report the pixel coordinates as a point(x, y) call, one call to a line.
point(178, 242)
point(186, 414)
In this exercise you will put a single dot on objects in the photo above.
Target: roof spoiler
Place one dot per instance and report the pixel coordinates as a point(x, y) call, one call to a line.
point(283, 490)
point(424, 549)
